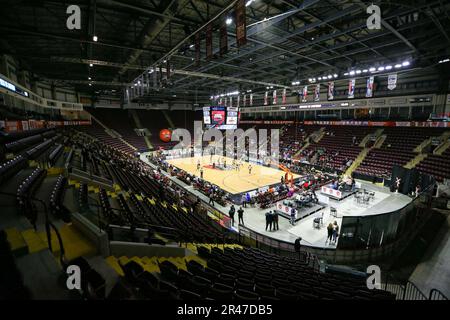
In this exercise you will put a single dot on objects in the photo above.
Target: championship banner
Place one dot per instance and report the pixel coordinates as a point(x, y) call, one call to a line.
point(251, 99)
point(226, 102)
point(238, 101)
point(275, 98)
point(245, 100)
point(392, 81)
point(220, 101)
point(305, 94)
point(241, 23)
point(331, 90)
point(209, 43)
point(223, 38)
point(266, 98)
point(231, 101)
point(369, 91)
point(284, 96)
point(351, 88)
point(197, 49)
point(317, 92)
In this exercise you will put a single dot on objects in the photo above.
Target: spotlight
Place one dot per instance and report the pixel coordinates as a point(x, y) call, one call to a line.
point(320, 78)
point(91, 65)
point(335, 75)
point(330, 76)
point(89, 78)
point(365, 71)
point(406, 63)
point(95, 38)
point(381, 68)
point(191, 46)
point(352, 73)
point(358, 71)
point(388, 67)
point(229, 21)
point(372, 69)
point(398, 66)
point(346, 74)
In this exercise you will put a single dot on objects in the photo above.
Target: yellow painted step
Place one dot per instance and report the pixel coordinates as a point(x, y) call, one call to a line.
point(112, 262)
point(34, 242)
point(17, 242)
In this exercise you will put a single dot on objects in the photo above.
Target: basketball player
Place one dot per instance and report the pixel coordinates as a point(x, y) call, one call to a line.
point(198, 165)
point(249, 169)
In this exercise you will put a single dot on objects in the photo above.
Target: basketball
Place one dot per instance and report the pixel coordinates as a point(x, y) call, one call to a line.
point(165, 135)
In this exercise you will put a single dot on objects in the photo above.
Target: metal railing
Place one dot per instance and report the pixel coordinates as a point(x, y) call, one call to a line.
point(48, 225)
point(436, 294)
point(407, 290)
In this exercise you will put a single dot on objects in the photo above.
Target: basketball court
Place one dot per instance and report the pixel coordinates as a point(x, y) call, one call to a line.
point(231, 180)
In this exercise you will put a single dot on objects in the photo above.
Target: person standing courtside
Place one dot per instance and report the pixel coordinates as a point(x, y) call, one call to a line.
point(269, 220)
point(330, 232)
point(241, 215)
point(275, 220)
point(231, 213)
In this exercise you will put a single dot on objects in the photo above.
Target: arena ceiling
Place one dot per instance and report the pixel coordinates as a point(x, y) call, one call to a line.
point(300, 40)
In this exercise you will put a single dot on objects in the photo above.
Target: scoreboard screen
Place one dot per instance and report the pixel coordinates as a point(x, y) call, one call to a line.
point(221, 117)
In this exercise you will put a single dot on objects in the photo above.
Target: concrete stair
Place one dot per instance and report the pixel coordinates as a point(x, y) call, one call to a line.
point(139, 125)
point(423, 145)
point(359, 159)
point(379, 142)
point(414, 162)
point(440, 149)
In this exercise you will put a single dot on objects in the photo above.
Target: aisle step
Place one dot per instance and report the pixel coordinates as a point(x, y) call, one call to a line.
point(34, 242)
point(18, 245)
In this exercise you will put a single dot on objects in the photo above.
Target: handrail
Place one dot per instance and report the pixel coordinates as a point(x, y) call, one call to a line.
point(436, 294)
point(48, 224)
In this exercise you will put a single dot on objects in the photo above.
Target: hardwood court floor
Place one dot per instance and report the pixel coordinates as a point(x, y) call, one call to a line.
point(230, 180)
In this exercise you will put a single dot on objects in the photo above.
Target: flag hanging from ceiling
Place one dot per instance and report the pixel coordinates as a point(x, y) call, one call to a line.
point(223, 38)
point(284, 96)
point(317, 92)
point(209, 51)
point(275, 97)
point(305, 94)
point(168, 69)
point(241, 23)
point(266, 98)
point(231, 101)
point(331, 90)
point(369, 91)
point(251, 99)
point(392, 81)
point(197, 49)
point(238, 103)
point(245, 100)
point(351, 88)
point(226, 101)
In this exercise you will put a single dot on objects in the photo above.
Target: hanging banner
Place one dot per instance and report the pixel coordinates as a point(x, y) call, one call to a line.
point(369, 91)
point(392, 81)
point(220, 101)
point(226, 102)
point(209, 42)
point(266, 98)
point(351, 89)
point(238, 101)
point(284, 96)
point(245, 100)
point(223, 38)
point(155, 78)
point(251, 99)
point(275, 98)
point(231, 101)
point(317, 92)
point(241, 23)
point(168, 69)
point(331, 90)
point(197, 49)
point(305, 94)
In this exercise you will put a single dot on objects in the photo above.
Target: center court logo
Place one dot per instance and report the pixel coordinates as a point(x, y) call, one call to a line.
point(248, 145)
